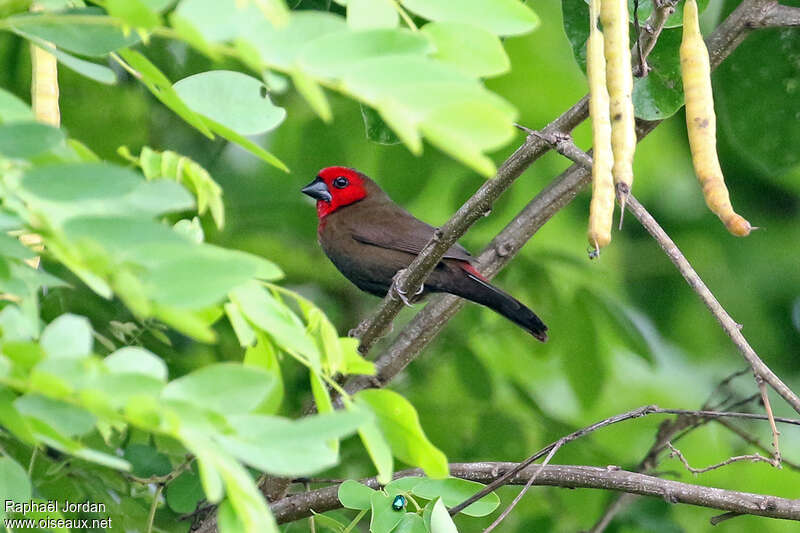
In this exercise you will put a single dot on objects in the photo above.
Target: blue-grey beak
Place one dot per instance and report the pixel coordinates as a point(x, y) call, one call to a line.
point(317, 190)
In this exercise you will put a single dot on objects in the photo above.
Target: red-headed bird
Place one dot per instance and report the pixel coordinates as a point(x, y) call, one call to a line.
point(370, 238)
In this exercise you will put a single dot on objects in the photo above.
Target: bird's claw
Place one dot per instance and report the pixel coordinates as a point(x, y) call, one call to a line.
point(403, 295)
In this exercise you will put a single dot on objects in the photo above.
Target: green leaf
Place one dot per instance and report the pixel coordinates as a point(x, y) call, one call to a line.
point(11, 419)
point(501, 17)
point(376, 129)
point(659, 95)
point(219, 20)
point(411, 523)
point(280, 47)
point(355, 495)
point(334, 54)
point(275, 319)
point(377, 447)
point(136, 13)
point(235, 100)
point(472, 50)
point(354, 363)
point(263, 356)
point(441, 522)
point(70, 31)
point(146, 461)
point(675, 19)
point(67, 419)
point(23, 140)
point(68, 336)
point(245, 333)
point(453, 491)
point(384, 519)
point(399, 423)
point(136, 360)
point(226, 388)
point(402, 485)
point(227, 520)
point(62, 191)
point(15, 486)
point(12, 109)
point(184, 492)
point(758, 105)
point(289, 448)
point(328, 522)
point(369, 14)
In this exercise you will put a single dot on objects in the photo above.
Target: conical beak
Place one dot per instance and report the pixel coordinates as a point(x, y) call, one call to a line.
point(317, 190)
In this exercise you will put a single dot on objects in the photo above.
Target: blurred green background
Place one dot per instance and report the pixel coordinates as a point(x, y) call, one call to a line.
point(485, 390)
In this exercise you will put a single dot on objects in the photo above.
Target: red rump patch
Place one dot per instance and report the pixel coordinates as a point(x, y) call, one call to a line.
point(340, 197)
point(471, 269)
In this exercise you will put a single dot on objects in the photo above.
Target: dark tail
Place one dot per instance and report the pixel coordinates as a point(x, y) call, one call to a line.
point(477, 289)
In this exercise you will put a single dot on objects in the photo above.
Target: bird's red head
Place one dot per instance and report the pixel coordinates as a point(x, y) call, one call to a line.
point(335, 187)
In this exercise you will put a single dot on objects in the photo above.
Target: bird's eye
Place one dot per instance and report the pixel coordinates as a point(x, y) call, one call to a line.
point(341, 182)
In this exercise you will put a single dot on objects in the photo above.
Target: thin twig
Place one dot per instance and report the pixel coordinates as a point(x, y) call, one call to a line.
point(753, 458)
point(151, 517)
point(751, 439)
point(527, 486)
point(724, 516)
point(776, 451)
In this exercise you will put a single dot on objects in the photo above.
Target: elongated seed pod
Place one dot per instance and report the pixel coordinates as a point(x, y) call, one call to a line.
point(601, 209)
point(619, 80)
point(44, 83)
point(44, 101)
point(701, 122)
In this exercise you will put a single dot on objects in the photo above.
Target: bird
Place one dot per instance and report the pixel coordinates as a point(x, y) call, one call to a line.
point(370, 238)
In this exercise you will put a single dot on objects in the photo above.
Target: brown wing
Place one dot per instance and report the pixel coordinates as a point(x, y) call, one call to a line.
point(402, 231)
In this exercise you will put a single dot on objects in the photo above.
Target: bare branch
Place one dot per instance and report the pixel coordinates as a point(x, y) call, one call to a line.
point(299, 505)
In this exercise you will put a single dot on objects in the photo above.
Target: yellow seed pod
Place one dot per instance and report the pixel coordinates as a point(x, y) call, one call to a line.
point(601, 209)
point(619, 80)
point(701, 122)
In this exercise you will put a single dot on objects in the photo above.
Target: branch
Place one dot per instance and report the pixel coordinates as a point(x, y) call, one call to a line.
point(427, 324)
point(299, 505)
point(779, 16)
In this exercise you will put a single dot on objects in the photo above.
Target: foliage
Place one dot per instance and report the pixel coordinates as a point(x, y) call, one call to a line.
point(152, 350)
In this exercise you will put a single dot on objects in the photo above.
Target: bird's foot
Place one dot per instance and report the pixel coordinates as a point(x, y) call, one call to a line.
point(403, 295)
